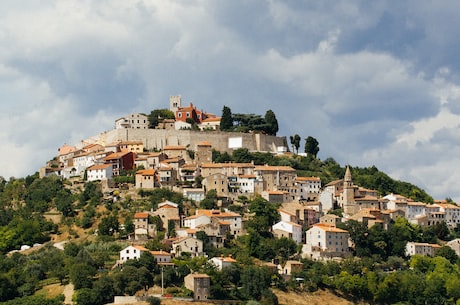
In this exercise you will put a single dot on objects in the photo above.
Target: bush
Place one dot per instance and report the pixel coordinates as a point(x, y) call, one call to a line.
point(154, 301)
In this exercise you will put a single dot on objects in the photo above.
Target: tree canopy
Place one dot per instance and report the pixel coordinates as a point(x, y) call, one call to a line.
point(158, 115)
point(226, 121)
point(272, 123)
point(311, 146)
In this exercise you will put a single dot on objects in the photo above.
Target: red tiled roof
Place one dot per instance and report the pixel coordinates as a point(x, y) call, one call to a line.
point(141, 215)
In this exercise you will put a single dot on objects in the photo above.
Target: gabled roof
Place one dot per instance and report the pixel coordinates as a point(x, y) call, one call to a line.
point(118, 155)
point(140, 215)
point(216, 213)
point(216, 119)
point(226, 259)
point(160, 252)
point(448, 206)
point(174, 148)
point(329, 228)
point(146, 172)
point(273, 168)
point(181, 239)
point(305, 179)
point(335, 182)
point(99, 167)
point(226, 165)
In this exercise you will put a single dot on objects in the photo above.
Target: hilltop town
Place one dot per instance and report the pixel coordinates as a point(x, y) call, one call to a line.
point(216, 210)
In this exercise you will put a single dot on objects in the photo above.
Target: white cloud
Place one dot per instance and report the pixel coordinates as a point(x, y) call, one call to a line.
point(356, 75)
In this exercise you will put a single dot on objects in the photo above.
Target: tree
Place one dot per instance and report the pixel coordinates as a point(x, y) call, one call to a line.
point(86, 296)
point(226, 121)
point(272, 123)
point(154, 301)
point(158, 115)
point(448, 253)
point(311, 146)
point(295, 141)
point(64, 202)
point(265, 215)
point(108, 225)
point(81, 275)
point(241, 155)
point(255, 281)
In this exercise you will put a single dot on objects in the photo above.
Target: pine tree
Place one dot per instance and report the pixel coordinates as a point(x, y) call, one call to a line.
point(272, 122)
point(226, 122)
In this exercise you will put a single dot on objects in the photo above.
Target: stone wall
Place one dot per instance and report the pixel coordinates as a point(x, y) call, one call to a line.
point(159, 138)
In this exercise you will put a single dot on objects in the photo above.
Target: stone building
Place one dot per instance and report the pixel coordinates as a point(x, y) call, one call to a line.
point(134, 121)
point(199, 284)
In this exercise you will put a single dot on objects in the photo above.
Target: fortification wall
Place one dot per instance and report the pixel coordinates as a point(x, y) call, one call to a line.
point(159, 138)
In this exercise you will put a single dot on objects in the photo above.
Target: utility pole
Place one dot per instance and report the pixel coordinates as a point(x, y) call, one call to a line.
point(162, 282)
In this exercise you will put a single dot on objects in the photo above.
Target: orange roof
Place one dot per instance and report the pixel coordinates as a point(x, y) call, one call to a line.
point(146, 172)
point(160, 253)
point(189, 165)
point(115, 156)
point(99, 166)
point(167, 206)
point(174, 148)
point(216, 213)
point(226, 259)
point(172, 160)
point(211, 120)
point(141, 215)
point(274, 168)
point(141, 248)
point(204, 143)
point(308, 179)
point(448, 206)
point(224, 165)
point(329, 228)
point(416, 203)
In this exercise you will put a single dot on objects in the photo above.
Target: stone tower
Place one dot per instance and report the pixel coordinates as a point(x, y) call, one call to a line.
point(203, 153)
point(175, 102)
point(349, 207)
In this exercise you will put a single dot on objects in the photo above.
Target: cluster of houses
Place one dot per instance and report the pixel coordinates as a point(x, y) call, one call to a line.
point(184, 117)
point(304, 201)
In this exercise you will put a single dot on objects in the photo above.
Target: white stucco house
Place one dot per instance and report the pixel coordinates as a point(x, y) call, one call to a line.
point(222, 262)
point(425, 249)
point(288, 229)
point(99, 172)
point(326, 242)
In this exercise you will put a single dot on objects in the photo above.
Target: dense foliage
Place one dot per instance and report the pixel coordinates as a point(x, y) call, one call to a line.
point(379, 273)
point(244, 122)
point(158, 115)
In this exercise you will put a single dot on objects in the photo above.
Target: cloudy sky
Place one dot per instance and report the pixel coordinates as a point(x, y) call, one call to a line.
point(376, 82)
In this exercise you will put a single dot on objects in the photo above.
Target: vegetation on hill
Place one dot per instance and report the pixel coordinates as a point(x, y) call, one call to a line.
point(243, 122)
point(378, 273)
